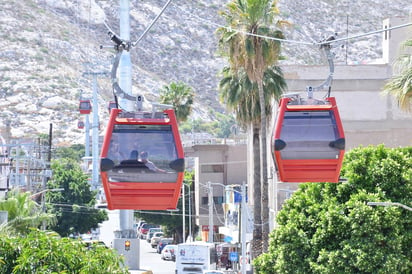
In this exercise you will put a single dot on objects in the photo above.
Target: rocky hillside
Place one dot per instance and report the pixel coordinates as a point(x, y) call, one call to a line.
point(47, 45)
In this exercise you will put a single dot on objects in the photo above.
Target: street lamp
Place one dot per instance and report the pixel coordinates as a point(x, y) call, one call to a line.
point(389, 204)
point(184, 213)
point(243, 219)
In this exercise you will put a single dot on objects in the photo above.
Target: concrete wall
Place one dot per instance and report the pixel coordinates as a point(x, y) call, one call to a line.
point(230, 168)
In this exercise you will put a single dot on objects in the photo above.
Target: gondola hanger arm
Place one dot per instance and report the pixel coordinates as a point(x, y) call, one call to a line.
point(327, 84)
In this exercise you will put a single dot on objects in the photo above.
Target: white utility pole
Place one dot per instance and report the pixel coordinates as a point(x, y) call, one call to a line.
point(243, 229)
point(87, 136)
point(190, 215)
point(184, 215)
point(210, 200)
point(95, 130)
point(126, 235)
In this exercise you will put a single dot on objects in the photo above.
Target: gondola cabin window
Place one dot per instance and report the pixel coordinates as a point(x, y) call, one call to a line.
point(131, 143)
point(309, 135)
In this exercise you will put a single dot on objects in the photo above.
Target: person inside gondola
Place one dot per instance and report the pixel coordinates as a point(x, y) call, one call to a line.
point(149, 164)
point(114, 152)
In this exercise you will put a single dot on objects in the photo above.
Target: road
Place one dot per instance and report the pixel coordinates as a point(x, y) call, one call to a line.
point(149, 258)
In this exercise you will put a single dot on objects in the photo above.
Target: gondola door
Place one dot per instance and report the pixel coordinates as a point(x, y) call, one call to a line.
point(309, 142)
point(130, 141)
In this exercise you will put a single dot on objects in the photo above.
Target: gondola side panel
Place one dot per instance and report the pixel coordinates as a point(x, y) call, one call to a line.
point(105, 149)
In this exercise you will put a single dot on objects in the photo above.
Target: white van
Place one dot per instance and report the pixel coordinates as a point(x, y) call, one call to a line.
point(195, 257)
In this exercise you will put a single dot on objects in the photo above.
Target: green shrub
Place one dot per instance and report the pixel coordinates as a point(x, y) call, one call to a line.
point(46, 252)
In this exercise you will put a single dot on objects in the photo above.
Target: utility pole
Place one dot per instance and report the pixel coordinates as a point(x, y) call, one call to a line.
point(243, 229)
point(184, 215)
point(126, 234)
point(210, 200)
point(87, 136)
point(95, 129)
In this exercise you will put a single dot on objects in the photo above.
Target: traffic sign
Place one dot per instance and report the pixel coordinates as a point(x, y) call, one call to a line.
point(233, 256)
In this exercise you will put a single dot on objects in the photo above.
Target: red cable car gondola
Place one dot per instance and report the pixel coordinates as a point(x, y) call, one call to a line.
point(128, 182)
point(309, 141)
point(85, 107)
point(80, 124)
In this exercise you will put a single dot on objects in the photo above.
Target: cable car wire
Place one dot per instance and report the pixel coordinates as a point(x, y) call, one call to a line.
point(152, 23)
point(292, 41)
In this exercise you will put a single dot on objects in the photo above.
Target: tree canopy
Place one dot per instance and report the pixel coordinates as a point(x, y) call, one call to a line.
point(23, 212)
point(46, 252)
point(250, 55)
point(74, 206)
point(401, 83)
point(329, 228)
point(180, 96)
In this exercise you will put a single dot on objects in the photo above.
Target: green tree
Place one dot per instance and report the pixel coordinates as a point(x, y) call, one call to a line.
point(74, 152)
point(241, 95)
point(253, 55)
point(180, 96)
point(401, 84)
point(45, 252)
point(74, 207)
point(329, 228)
point(23, 212)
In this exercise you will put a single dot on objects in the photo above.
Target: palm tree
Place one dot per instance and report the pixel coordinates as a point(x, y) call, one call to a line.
point(23, 212)
point(241, 95)
point(401, 84)
point(254, 54)
point(180, 96)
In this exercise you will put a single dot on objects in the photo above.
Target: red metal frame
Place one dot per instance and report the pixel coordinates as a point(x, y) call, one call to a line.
point(111, 105)
point(85, 107)
point(142, 195)
point(308, 170)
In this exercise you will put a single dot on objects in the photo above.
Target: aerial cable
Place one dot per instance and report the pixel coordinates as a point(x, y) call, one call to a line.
point(248, 33)
point(121, 45)
point(292, 41)
point(366, 34)
point(151, 24)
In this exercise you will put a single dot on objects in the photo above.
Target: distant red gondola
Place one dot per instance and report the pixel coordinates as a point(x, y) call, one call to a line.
point(85, 107)
point(309, 141)
point(80, 124)
point(130, 183)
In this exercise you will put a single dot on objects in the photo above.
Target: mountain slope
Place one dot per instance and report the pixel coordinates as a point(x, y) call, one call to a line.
point(46, 43)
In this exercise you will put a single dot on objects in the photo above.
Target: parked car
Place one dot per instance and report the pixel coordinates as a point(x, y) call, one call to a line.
point(155, 239)
point(169, 253)
point(162, 243)
point(144, 229)
point(151, 232)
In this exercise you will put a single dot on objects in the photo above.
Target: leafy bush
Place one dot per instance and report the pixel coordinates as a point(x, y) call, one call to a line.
point(46, 252)
point(329, 228)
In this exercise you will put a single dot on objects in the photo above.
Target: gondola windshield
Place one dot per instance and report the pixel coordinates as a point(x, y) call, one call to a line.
point(142, 153)
point(310, 135)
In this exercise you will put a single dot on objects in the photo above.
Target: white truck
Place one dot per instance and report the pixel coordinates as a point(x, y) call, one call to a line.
point(195, 257)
